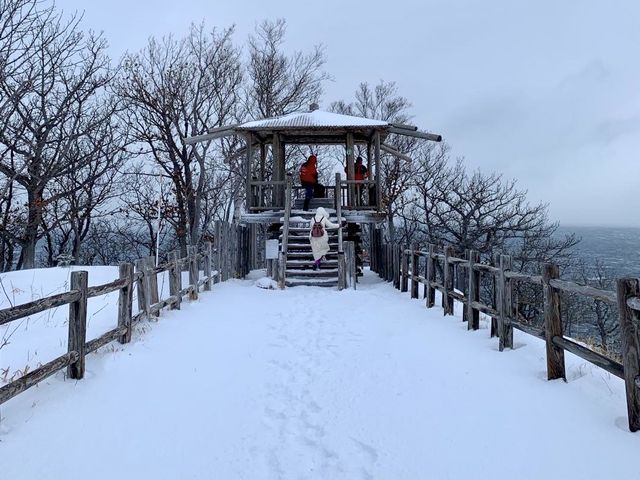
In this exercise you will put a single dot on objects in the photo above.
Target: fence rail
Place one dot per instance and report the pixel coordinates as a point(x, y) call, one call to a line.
point(400, 264)
point(234, 256)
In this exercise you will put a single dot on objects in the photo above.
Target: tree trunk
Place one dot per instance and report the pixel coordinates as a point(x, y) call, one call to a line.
point(30, 238)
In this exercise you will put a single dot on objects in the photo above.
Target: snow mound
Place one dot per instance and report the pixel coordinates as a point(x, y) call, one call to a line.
point(267, 283)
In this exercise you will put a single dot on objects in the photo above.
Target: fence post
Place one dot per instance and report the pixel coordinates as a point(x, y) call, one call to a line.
point(207, 266)
point(495, 261)
point(397, 251)
point(505, 306)
point(142, 285)
point(282, 265)
point(193, 271)
point(342, 274)
point(218, 253)
point(473, 291)
point(175, 279)
point(404, 282)
point(447, 300)
point(78, 323)
point(552, 323)
point(153, 284)
point(125, 300)
point(629, 317)
point(415, 261)
point(431, 277)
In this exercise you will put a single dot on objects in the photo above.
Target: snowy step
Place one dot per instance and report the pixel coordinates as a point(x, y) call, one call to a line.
point(303, 263)
point(312, 282)
point(306, 230)
point(306, 247)
point(299, 254)
point(314, 203)
point(323, 272)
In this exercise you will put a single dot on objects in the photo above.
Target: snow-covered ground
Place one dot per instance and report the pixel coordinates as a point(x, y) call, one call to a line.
point(311, 383)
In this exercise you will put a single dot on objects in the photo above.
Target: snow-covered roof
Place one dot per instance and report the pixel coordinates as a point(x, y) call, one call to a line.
point(314, 119)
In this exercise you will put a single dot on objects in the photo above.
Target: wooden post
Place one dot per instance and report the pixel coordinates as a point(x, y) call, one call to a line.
point(175, 279)
point(249, 143)
point(628, 288)
point(447, 300)
point(342, 274)
point(218, 253)
point(153, 284)
point(125, 301)
point(415, 259)
point(397, 257)
point(473, 291)
point(495, 261)
point(431, 277)
point(282, 265)
point(505, 330)
point(193, 271)
point(351, 195)
point(376, 139)
point(207, 266)
point(404, 282)
point(552, 323)
point(78, 323)
point(389, 262)
point(142, 285)
point(275, 269)
point(276, 174)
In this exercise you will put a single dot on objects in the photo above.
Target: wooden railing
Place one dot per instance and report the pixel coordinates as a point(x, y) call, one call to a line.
point(234, 257)
point(401, 264)
point(266, 195)
point(284, 249)
point(356, 194)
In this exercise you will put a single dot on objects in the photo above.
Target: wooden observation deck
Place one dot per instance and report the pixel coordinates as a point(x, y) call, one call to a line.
point(272, 198)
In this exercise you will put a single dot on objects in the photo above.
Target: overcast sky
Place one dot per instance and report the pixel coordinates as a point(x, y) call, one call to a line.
point(547, 92)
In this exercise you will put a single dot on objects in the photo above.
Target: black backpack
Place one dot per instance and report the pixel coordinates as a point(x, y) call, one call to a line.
point(317, 230)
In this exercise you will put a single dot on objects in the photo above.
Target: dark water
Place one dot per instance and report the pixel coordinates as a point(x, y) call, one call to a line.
point(617, 248)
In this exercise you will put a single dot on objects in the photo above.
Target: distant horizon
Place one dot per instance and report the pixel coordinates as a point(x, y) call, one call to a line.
point(591, 225)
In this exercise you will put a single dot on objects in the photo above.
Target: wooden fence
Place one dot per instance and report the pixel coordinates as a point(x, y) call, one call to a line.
point(400, 265)
point(234, 256)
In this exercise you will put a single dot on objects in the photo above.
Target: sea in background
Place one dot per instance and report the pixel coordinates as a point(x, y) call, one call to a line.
point(617, 248)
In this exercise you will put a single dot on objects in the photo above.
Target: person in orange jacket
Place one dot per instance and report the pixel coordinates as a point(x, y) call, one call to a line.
point(360, 173)
point(309, 180)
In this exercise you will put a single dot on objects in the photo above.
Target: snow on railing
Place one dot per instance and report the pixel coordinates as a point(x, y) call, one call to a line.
point(400, 264)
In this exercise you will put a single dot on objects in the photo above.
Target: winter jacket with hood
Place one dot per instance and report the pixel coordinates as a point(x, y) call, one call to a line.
point(320, 245)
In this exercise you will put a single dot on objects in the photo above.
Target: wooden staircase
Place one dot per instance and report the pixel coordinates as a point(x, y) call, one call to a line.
point(299, 266)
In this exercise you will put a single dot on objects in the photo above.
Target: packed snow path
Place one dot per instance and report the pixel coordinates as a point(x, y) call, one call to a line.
point(311, 383)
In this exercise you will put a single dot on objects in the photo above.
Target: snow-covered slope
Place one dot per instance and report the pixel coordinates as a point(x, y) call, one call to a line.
point(312, 383)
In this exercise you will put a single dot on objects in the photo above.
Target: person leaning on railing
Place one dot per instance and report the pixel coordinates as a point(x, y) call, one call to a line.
point(309, 180)
point(360, 173)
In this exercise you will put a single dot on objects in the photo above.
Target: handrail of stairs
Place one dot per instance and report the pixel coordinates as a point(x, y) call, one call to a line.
point(342, 270)
point(285, 233)
point(338, 201)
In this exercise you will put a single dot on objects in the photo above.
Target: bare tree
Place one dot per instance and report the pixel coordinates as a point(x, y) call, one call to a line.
point(383, 102)
point(280, 83)
point(51, 100)
point(94, 185)
point(175, 89)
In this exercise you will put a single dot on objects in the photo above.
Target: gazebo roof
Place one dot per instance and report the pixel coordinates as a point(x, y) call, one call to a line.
point(316, 119)
point(314, 126)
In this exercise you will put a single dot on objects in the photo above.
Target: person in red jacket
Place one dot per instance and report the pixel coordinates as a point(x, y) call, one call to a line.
point(360, 173)
point(309, 180)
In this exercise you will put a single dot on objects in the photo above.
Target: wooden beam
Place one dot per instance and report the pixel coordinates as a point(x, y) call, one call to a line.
point(275, 154)
point(410, 133)
point(249, 196)
point(395, 153)
point(211, 135)
point(376, 140)
point(351, 196)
